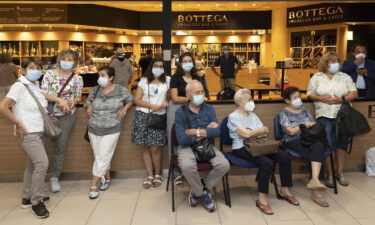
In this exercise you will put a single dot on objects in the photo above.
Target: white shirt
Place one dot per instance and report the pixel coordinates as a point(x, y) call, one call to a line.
point(237, 120)
point(360, 84)
point(339, 86)
point(200, 65)
point(158, 94)
point(26, 110)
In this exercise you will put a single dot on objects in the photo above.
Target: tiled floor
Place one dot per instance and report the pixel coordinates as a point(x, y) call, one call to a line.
point(127, 203)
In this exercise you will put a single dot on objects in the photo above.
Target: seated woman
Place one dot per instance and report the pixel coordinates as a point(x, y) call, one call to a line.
point(290, 118)
point(244, 123)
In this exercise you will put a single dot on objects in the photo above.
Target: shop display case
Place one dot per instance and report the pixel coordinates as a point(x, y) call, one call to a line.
point(13, 48)
point(308, 47)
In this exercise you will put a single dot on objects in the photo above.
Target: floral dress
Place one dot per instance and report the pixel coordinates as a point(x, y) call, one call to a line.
point(52, 84)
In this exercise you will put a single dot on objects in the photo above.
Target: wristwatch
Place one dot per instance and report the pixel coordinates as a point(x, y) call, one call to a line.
point(198, 134)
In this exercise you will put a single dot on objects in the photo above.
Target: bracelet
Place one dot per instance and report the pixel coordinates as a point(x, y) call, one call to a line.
point(198, 134)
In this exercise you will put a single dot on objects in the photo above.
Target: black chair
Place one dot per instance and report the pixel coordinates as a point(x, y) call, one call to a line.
point(173, 164)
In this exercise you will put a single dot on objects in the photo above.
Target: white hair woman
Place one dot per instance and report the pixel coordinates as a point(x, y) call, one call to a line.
point(243, 123)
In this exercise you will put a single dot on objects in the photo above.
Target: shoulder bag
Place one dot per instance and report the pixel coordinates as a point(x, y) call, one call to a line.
point(260, 145)
point(203, 149)
point(51, 105)
point(155, 121)
point(51, 125)
point(86, 137)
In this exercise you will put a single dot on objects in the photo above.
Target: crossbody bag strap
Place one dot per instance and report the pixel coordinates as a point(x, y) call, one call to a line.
point(41, 109)
point(65, 84)
point(186, 115)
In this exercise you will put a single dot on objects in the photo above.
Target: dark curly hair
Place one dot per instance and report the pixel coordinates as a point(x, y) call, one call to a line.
point(289, 91)
point(150, 76)
point(180, 71)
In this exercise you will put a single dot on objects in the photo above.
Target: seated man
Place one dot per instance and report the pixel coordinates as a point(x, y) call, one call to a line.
point(204, 125)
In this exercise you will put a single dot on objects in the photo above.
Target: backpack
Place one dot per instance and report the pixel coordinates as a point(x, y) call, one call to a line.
point(225, 94)
point(370, 162)
point(349, 123)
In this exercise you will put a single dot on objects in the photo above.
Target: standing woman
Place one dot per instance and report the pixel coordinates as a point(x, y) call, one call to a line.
point(107, 106)
point(152, 96)
point(326, 89)
point(63, 88)
point(28, 121)
point(185, 72)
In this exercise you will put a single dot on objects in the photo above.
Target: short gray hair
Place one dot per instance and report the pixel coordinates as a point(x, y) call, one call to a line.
point(190, 83)
point(239, 95)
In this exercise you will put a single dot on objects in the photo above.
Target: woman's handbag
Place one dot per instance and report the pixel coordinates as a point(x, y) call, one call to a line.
point(203, 149)
point(86, 137)
point(313, 134)
point(51, 124)
point(260, 145)
point(156, 121)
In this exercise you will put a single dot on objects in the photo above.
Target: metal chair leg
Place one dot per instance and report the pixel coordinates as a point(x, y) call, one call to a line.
point(225, 190)
point(173, 196)
point(273, 180)
point(333, 173)
point(169, 174)
point(228, 191)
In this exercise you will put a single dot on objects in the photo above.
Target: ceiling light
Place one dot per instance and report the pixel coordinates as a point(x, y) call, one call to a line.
point(236, 4)
point(179, 5)
point(217, 5)
point(254, 4)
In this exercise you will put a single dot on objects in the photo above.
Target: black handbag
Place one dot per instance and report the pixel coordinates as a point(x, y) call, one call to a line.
point(156, 121)
point(51, 105)
point(203, 149)
point(349, 123)
point(313, 134)
point(86, 136)
point(227, 93)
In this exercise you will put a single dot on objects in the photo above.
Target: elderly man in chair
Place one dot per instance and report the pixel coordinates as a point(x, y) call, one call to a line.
point(196, 121)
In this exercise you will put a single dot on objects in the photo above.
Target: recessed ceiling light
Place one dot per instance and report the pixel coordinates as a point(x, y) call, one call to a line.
point(179, 5)
point(236, 4)
point(254, 4)
point(198, 5)
point(217, 5)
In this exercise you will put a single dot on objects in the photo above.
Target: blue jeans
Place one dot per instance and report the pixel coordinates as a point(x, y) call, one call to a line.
point(329, 125)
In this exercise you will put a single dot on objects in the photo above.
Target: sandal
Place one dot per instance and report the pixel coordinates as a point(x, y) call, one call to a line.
point(179, 182)
point(157, 181)
point(329, 182)
point(319, 200)
point(94, 193)
point(147, 182)
point(291, 199)
point(316, 185)
point(342, 180)
point(266, 209)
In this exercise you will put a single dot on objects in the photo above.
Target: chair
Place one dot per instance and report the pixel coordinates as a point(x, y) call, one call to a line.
point(173, 164)
point(279, 133)
point(237, 161)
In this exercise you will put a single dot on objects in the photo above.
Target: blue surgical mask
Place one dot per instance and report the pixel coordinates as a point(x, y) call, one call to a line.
point(33, 75)
point(187, 66)
point(226, 52)
point(157, 72)
point(297, 103)
point(66, 65)
point(198, 100)
point(334, 67)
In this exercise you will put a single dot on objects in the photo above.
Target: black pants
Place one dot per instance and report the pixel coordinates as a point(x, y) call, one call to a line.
point(312, 153)
point(266, 164)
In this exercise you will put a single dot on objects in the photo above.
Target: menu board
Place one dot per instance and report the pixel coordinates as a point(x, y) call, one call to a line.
point(31, 14)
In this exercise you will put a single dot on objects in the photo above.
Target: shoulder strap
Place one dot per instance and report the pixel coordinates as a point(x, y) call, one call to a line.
point(66, 83)
point(186, 115)
point(41, 109)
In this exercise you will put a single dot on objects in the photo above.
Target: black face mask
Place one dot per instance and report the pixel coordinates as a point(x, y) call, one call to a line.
point(121, 59)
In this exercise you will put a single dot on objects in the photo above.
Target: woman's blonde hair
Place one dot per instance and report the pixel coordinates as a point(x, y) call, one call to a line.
point(324, 61)
point(64, 53)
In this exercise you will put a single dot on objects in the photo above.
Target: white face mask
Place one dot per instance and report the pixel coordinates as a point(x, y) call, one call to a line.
point(103, 82)
point(250, 106)
point(157, 72)
point(360, 55)
point(334, 67)
point(296, 103)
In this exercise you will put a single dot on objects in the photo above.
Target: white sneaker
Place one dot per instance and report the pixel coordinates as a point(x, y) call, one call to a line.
point(94, 193)
point(55, 186)
point(105, 185)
